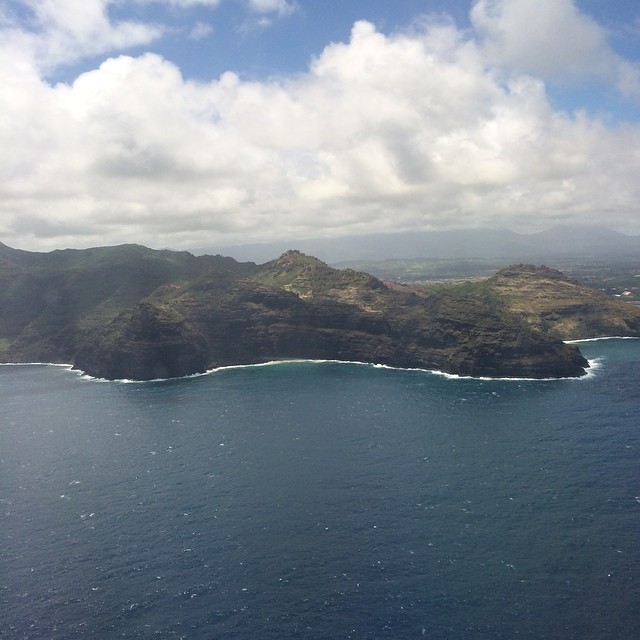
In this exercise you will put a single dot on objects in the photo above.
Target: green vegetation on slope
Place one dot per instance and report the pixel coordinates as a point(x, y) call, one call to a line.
point(551, 302)
point(134, 312)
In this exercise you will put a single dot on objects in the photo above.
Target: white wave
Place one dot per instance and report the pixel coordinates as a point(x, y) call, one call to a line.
point(602, 338)
point(594, 365)
point(86, 376)
point(271, 363)
point(36, 364)
point(451, 376)
point(456, 376)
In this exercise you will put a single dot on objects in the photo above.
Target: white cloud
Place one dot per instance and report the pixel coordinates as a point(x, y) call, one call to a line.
point(263, 13)
point(66, 31)
point(183, 4)
point(407, 131)
point(200, 30)
point(279, 7)
point(551, 40)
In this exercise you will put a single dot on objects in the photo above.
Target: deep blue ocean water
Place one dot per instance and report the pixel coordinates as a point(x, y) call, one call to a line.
point(309, 500)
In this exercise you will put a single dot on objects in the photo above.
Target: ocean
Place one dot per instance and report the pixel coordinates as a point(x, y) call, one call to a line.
point(322, 501)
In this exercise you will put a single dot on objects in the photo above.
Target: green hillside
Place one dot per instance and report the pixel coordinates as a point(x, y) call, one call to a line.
point(134, 312)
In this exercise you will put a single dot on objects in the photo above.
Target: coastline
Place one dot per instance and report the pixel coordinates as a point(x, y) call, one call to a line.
point(603, 338)
point(593, 365)
point(590, 372)
point(36, 364)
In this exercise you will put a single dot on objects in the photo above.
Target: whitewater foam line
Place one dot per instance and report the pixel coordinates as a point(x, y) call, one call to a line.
point(86, 376)
point(436, 372)
point(603, 338)
point(36, 364)
point(67, 367)
point(594, 365)
point(208, 372)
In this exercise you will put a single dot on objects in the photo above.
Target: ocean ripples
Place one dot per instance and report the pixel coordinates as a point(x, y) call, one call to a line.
point(322, 500)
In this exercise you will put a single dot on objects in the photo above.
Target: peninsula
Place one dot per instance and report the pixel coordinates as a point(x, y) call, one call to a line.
point(137, 313)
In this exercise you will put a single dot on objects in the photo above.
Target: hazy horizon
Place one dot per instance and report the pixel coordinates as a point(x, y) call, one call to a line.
point(597, 241)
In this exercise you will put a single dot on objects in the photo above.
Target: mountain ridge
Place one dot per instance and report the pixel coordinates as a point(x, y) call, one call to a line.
point(138, 313)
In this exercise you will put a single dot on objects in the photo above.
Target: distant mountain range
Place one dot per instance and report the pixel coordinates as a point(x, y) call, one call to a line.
point(564, 241)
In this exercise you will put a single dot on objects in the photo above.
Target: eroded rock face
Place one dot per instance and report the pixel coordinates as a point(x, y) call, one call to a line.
point(130, 312)
point(146, 343)
point(308, 310)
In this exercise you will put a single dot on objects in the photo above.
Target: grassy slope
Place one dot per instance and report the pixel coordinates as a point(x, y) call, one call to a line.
point(46, 299)
point(553, 303)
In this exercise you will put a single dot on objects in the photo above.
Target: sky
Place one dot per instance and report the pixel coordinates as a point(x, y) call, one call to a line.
point(192, 123)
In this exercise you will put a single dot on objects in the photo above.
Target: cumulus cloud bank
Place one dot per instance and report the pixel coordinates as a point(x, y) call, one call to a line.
point(434, 127)
point(551, 40)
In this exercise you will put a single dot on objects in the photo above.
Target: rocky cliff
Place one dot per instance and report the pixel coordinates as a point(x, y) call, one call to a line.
point(130, 312)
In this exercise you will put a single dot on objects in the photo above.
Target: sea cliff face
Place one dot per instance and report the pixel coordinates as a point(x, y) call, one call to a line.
point(130, 312)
